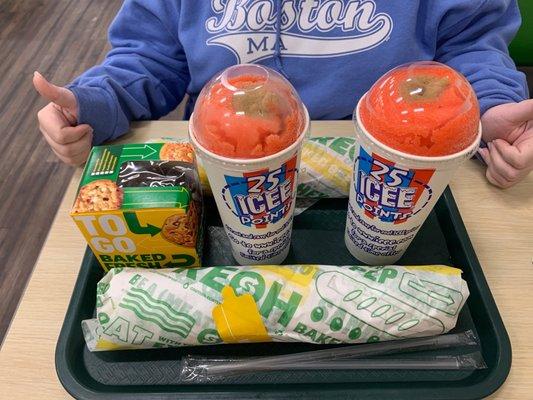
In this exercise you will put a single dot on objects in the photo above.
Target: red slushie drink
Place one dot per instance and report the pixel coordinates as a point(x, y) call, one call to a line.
point(415, 127)
point(247, 127)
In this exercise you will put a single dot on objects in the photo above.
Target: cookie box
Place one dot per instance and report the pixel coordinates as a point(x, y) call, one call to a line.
point(140, 205)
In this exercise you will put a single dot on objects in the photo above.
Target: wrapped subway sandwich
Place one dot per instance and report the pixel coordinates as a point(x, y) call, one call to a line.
point(138, 308)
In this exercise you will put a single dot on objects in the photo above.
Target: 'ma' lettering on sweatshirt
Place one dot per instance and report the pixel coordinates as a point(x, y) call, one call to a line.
point(332, 51)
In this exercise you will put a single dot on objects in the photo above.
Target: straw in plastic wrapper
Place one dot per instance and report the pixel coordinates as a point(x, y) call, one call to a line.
point(430, 343)
point(320, 304)
point(202, 369)
point(211, 370)
point(325, 167)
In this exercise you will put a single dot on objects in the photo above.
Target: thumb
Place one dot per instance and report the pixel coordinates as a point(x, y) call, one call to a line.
point(55, 94)
point(520, 156)
point(520, 112)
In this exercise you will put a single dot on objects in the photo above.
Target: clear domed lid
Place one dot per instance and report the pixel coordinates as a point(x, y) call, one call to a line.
point(422, 108)
point(248, 111)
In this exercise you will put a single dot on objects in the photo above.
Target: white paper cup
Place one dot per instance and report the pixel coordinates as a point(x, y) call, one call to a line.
point(255, 199)
point(391, 195)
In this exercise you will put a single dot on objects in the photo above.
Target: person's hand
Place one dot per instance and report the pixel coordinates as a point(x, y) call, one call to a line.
point(508, 131)
point(58, 122)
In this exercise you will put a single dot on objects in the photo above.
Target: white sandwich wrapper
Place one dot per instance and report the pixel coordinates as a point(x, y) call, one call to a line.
point(140, 308)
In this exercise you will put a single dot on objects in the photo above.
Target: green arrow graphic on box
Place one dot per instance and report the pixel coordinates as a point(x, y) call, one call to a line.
point(141, 152)
point(156, 197)
point(135, 226)
point(186, 261)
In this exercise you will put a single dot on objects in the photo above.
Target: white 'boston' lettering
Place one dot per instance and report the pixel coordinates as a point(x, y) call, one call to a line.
point(259, 15)
point(247, 27)
point(307, 19)
point(328, 16)
point(233, 15)
point(288, 15)
point(361, 15)
point(240, 15)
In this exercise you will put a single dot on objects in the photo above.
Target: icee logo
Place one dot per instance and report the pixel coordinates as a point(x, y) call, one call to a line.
point(387, 192)
point(261, 197)
point(248, 27)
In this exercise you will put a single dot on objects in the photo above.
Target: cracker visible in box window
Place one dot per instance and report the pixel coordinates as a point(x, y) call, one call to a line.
point(177, 152)
point(100, 195)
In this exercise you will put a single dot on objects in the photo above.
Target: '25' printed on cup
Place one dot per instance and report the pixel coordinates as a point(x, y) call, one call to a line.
point(261, 197)
point(388, 192)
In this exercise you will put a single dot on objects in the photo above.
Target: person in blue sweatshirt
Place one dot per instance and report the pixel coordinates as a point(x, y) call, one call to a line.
point(332, 51)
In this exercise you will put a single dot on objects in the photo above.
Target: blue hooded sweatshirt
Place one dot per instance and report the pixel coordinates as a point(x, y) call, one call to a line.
point(332, 51)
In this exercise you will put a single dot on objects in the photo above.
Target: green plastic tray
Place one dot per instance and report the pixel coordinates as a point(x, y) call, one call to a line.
point(317, 238)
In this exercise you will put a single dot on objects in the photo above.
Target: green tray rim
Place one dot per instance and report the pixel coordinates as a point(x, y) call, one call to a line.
point(481, 389)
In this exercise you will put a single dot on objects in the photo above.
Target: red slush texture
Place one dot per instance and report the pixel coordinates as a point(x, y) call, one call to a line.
point(224, 132)
point(448, 123)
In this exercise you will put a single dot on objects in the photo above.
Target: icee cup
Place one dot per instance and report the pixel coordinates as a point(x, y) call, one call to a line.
point(247, 128)
point(414, 129)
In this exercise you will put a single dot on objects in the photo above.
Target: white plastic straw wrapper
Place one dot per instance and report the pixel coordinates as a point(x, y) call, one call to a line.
point(320, 304)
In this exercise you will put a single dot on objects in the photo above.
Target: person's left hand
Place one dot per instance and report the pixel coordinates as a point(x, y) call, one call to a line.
point(508, 131)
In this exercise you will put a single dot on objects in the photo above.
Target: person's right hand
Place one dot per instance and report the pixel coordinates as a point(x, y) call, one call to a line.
point(58, 122)
point(508, 131)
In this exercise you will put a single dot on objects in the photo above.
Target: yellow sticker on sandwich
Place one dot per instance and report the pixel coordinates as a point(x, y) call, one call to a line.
point(237, 318)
